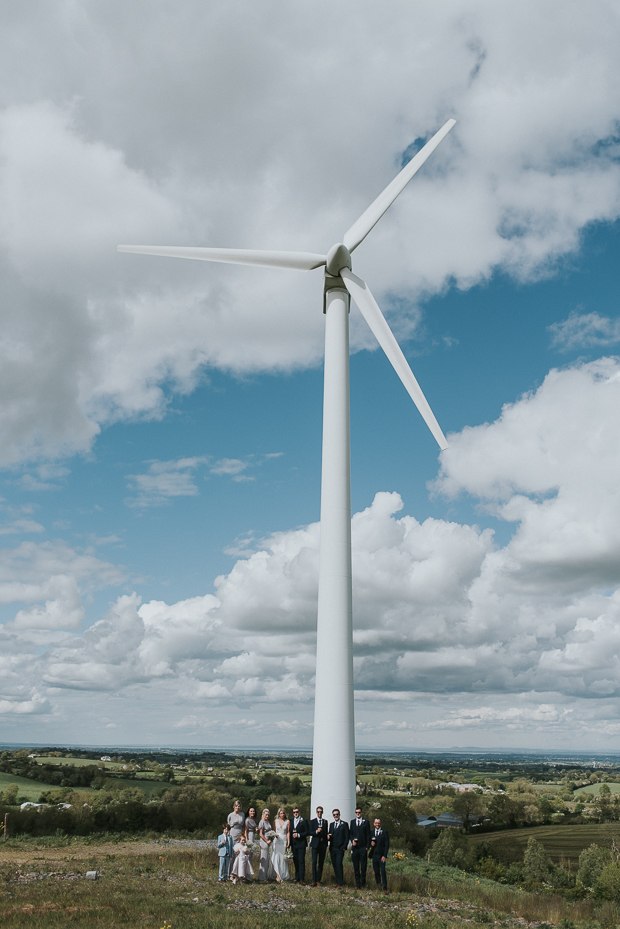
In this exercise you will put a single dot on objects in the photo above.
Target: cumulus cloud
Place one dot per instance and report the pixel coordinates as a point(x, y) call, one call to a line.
point(440, 609)
point(585, 331)
point(229, 141)
point(36, 705)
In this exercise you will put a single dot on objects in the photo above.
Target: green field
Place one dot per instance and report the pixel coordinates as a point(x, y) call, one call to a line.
point(29, 790)
point(595, 789)
point(79, 762)
point(559, 841)
point(148, 787)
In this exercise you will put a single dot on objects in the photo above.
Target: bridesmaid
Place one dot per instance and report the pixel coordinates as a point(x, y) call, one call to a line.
point(264, 826)
point(250, 829)
point(236, 821)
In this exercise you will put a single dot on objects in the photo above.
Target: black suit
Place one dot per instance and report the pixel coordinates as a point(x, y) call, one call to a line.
point(338, 841)
point(359, 851)
point(318, 844)
point(299, 846)
point(379, 848)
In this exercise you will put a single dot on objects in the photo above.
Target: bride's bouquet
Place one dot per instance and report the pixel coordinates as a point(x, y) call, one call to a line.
point(270, 835)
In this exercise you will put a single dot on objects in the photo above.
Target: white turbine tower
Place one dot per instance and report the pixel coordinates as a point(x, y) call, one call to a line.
point(333, 767)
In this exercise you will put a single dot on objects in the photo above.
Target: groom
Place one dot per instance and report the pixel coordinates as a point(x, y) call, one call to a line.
point(299, 837)
point(338, 841)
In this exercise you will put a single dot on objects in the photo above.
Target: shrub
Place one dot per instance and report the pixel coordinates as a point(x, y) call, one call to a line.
point(450, 849)
point(607, 886)
point(536, 864)
point(591, 862)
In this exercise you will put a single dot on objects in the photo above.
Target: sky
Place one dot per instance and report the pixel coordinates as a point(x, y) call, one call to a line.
point(160, 420)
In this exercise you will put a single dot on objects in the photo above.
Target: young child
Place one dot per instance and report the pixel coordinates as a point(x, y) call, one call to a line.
point(242, 868)
point(224, 851)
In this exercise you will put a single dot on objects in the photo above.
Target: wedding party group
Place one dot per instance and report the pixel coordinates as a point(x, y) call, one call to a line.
point(243, 837)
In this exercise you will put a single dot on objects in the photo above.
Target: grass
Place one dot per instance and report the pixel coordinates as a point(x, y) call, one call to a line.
point(152, 886)
point(560, 842)
point(29, 790)
point(594, 790)
point(148, 787)
point(32, 790)
point(78, 762)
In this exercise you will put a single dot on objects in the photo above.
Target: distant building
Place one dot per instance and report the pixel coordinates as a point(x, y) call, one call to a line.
point(443, 821)
point(105, 758)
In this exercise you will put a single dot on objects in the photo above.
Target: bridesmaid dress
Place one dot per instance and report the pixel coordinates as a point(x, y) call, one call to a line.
point(263, 866)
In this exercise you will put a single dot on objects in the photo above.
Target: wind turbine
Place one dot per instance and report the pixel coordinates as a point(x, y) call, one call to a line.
point(333, 767)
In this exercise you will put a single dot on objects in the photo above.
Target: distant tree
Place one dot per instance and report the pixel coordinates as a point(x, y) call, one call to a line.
point(504, 810)
point(470, 806)
point(546, 809)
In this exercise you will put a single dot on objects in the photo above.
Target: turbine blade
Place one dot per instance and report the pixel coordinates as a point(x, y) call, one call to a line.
point(385, 337)
point(298, 261)
point(361, 227)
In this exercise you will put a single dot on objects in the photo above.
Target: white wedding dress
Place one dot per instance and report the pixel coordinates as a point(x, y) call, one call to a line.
point(278, 866)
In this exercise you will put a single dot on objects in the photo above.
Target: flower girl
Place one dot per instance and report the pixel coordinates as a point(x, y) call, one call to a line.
point(241, 869)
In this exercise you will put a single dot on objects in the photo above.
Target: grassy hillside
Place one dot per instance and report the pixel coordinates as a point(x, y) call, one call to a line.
point(559, 841)
point(595, 789)
point(29, 790)
point(176, 887)
point(79, 762)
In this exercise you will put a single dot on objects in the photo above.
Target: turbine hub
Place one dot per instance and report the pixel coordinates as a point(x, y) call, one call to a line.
point(338, 257)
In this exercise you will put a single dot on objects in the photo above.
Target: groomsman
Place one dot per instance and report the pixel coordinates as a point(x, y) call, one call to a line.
point(359, 831)
point(338, 841)
point(318, 845)
point(379, 848)
point(299, 838)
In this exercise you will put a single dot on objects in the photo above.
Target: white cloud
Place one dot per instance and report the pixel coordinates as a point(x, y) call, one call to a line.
point(164, 480)
point(439, 608)
point(128, 149)
point(167, 479)
point(585, 331)
point(35, 705)
point(19, 526)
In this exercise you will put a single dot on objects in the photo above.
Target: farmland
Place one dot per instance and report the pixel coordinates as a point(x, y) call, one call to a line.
point(561, 843)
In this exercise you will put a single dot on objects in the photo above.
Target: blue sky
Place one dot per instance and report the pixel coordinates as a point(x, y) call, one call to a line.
point(476, 350)
point(161, 420)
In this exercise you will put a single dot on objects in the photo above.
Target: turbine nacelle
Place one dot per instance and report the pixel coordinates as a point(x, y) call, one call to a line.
point(338, 257)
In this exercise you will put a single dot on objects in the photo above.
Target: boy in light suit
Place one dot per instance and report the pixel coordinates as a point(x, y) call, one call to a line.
point(225, 852)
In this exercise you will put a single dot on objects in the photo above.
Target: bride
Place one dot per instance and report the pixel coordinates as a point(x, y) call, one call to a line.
point(278, 867)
